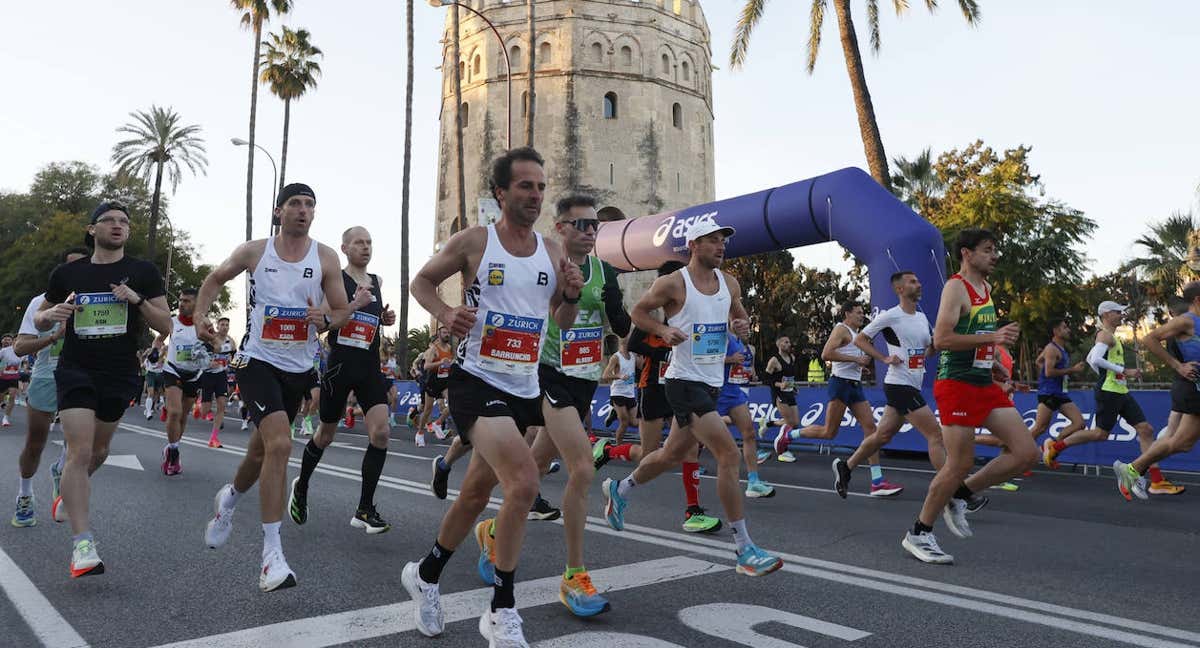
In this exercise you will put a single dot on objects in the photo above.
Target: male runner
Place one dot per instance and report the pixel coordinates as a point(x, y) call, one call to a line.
point(568, 371)
point(312, 394)
point(1054, 368)
point(845, 390)
point(214, 382)
point(513, 278)
point(187, 356)
point(42, 402)
point(621, 372)
point(104, 302)
point(733, 403)
point(10, 374)
point(290, 275)
point(700, 302)
point(155, 357)
point(439, 357)
point(968, 397)
point(1185, 394)
point(909, 340)
point(387, 368)
point(781, 372)
point(353, 350)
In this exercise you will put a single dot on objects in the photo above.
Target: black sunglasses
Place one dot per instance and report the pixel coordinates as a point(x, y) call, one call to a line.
point(584, 224)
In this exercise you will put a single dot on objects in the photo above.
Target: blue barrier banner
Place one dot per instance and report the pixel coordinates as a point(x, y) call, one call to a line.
point(1122, 443)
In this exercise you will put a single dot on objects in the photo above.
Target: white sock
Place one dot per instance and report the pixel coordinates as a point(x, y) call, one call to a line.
point(741, 537)
point(230, 498)
point(149, 404)
point(173, 445)
point(626, 485)
point(26, 487)
point(271, 537)
point(62, 457)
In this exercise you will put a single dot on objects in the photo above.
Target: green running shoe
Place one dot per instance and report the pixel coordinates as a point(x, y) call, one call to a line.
point(298, 503)
point(1007, 486)
point(698, 522)
point(1129, 482)
point(599, 453)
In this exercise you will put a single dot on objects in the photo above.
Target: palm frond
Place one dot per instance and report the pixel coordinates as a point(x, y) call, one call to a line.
point(816, 18)
point(873, 24)
point(970, 11)
point(748, 19)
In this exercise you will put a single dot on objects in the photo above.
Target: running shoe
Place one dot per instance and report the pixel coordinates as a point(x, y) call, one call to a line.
point(555, 466)
point(419, 439)
point(216, 533)
point(502, 628)
point(1006, 486)
point(955, 515)
point(245, 424)
point(924, 546)
point(208, 417)
point(1049, 454)
point(58, 511)
point(841, 478)
point(369, 521)
point(600, 452)
point(214, 442)
point(542, 510)
point(391, 419)
point(5, 422)
point(166, 460)
point(697, 521)
point(306, 427)
point(440, 432)
point(487, 552)
point(1129, 482)
point(1165, 487)
point(787, 457)
point(614, 504)
point(55, 480)
point(885, 488)
point(611, 417)
point(176, 465)
point(440, 478)
point(24, 516)
point(85, 561)
point(782, 439)
point(756, 489)
point(581, 597)
point(275, 574)
point(753, 561)
point(763, 455)
point(976, 502)
point(298, 503)
point(429, 617)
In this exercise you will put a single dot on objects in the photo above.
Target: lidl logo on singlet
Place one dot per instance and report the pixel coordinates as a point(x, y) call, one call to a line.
point(495, 274)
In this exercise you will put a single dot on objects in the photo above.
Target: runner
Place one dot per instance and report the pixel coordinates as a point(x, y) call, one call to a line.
point(312, 394)
point(10, 374)
point(186, 359)
point(1184, 358)
point(621, 372)
point(514, 277)
point(387, 368)
point(702, 300)
point(290, 274)
point(105, 302)
point(909, 341)
point(155, 357)
point(845, 390)
point(967, 398)
point(439, 358)
point(353, 350)
point(1054, 369)
point(41, 403)
point(781, 371)
point(214, 383)
point(733, 402)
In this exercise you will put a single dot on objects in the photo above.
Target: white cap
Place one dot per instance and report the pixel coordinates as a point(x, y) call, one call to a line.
point(1109, 306)
point(706, 226)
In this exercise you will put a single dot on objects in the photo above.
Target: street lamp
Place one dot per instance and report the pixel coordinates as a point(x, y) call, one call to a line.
point(503, 50)
point(237, 141)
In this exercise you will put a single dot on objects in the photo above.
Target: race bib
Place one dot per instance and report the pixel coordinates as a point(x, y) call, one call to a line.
point(284, 326)
point(916, 359)
point(510, 343)
point(789, 383)
point(662, 372)
point(359, 331)
point(709, 342)
point(579, 348)
point(985, 356)
point(100, 315)
point(739, 375)
point(444, 370)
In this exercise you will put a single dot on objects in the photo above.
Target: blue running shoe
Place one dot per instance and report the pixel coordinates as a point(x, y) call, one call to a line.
point(581, 597)
point(24, 516)
point(487, 552)
point(56, 478)
point(753, 561)
point(614, 506)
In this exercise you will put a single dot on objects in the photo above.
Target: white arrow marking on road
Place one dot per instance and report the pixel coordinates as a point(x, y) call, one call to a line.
point(605, 640)
point(121, 461)
point(735, 621)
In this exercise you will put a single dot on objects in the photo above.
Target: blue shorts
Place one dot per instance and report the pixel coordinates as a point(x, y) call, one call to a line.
point(42, 394)
point(730, 397)
point(847, 391)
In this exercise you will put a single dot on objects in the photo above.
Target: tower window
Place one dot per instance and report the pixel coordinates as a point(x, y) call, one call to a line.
point(677, 115)
point(597, 53)
point(610, 105)
point(626, 56)
point(514, 57)
point(478, 66)
point(666, 64)
point(544, 53)
point(687, 75)
point(466, 111)
point(610, 173)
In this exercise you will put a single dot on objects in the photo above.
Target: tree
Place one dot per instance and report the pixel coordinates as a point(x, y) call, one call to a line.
point(916, 182)
point(157, 143)
point(406, 177)
point(1165, 253)
point(290, 69)
point(254, 14)
point(752, 13)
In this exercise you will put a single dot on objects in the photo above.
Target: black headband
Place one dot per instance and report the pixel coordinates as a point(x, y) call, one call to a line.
point(295, 189)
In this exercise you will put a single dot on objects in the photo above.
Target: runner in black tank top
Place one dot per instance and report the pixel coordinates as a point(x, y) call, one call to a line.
point(353, 367)
point(781, 375)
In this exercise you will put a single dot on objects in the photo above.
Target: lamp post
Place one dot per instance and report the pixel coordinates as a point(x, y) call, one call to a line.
point(170, 251)
point(237, 141)
point(503, 51)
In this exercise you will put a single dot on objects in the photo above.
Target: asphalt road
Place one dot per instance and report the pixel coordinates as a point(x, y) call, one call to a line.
point(1063, 562)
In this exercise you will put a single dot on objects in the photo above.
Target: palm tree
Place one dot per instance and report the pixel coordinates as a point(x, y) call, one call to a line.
point(752, 13)
point(290, 69)
point(916, 182)
point(1166, 253)
point(530, 101)
point(402, 342)
point(157, 143)
point(254, 14)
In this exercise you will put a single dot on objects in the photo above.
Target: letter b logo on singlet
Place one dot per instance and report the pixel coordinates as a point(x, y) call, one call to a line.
point(543, 279)
point(308, 273)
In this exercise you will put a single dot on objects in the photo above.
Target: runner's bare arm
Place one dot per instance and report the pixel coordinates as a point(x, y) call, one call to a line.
point(1176, 326)
point(664, 291)
point(868, 347)
point(340, 308)
point(739, 318)
point(1050, 356)
point(157, 313)
point(243, 259)
point(839, 338)
point(955, 302)
point(612, 370)
point(570, 284)
point(773, 366)
point(27, 344)
point(454, 257)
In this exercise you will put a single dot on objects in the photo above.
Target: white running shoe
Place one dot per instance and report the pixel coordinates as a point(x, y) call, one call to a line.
point(437, 430)
point(218, 529)
point(245, 424)
point(955, 515)
point(5, 422)
point(787, 457)
point(84, 560)
point(58, 510)
point(428, 600)
point(420, 439)
point(502, 628)
point(925, 547)
point(275, 573)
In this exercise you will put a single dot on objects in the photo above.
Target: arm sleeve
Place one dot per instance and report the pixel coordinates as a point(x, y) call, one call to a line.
point(1097, 361)
point(637, 344)
point(614, 306)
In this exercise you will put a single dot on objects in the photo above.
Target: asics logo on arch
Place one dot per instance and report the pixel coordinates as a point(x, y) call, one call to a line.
point(677, 227)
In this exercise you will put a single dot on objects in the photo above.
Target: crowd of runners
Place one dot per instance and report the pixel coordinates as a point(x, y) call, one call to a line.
point(516, 390)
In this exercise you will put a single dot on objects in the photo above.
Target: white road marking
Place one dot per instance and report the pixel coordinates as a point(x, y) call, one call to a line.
point(384, 620)
point(734, 622)
point(604, 640)
point(46, 623)
point(124, 461)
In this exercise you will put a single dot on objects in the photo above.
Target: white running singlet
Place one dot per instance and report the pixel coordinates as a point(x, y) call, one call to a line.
point(705, 320)
point(280, 291)
point(848, 370)
point(186, 355)
point(513, 296)
point(907, 337)
point(624, 387)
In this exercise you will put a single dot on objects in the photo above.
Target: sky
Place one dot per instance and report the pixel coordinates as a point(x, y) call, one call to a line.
point(1104, 91)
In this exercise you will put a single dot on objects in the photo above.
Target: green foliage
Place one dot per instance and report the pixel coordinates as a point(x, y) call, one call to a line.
point(1164, 250)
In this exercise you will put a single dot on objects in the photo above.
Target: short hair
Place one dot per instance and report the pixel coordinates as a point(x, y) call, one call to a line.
point(970, 238)
point(222, 319)
point(1176, 306)
point(1054, 323)
point(346, 234)
point(75, 250)
point(188, 292)
point(1191, 291)
point(847, 308)
point(502, 166)
point(565, 203)
point(900, 274)
point(669, 266)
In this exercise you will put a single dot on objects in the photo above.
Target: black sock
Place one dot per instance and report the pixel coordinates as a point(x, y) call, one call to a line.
point(372, 468)
point(963, 493)
point(502, 590)
point(308, 463)
point(433, 564)
point(920, 527)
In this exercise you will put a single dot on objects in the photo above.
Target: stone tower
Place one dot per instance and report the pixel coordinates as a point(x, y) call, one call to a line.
point(623, 107)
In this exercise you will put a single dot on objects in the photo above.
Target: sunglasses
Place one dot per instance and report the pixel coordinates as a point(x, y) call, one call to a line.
point(584, 224)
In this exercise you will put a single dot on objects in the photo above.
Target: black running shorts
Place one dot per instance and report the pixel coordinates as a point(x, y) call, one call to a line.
point(652, 403)
point(106, 394)
point(688, 397)
point(435, 386)
point(342, 377)
point(1110, 406)
point(1053, 401)
point(190, 387)
point(561, 391)
point(903, 398)
point(266, 389)
point(623, 401)
point(1185, 397)
point(212, 386)
point(784, 397)
point(472, 398)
